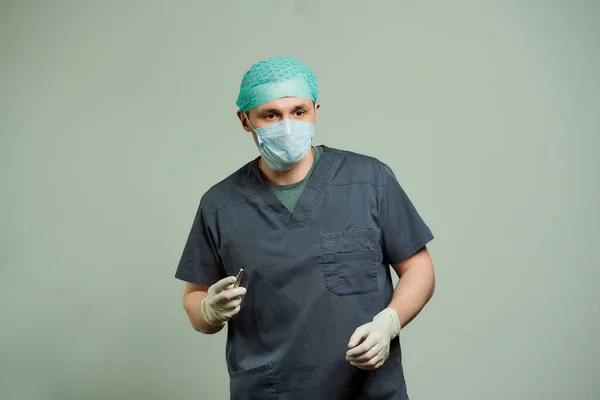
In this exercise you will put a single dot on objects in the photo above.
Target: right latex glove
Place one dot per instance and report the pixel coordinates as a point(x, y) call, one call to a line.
point(222, 302)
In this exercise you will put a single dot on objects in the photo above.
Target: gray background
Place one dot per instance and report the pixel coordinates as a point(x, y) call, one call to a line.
point(116, 116)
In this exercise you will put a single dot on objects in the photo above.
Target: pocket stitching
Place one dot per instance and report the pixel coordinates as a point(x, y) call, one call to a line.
point(268, 372)
point(332, 280)
point(348, 234)
point(260, 368)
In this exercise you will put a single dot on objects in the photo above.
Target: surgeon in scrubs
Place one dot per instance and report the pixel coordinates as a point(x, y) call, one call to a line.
point(315, 229)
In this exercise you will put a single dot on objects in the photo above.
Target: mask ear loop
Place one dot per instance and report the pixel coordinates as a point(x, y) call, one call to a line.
point(248, 120)
point(251, 127)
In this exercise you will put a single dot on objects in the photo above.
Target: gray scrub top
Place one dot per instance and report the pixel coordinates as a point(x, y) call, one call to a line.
point(312, 276)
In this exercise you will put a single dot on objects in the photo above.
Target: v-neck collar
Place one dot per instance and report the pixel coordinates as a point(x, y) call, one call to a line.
point(309, 199)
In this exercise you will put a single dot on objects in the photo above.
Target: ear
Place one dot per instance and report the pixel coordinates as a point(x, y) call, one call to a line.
point(244, 121)
point(317, 107)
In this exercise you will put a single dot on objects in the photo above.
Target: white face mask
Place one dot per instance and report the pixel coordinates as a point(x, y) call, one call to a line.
point(284, 143)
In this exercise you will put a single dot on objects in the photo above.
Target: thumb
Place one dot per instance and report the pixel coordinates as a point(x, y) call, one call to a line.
point(357, 336)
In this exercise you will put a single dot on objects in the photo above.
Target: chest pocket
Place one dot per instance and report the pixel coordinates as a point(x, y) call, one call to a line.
point(350, 261)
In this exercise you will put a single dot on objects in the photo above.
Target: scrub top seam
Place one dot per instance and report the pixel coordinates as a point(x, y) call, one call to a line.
point(229, 205)
point(319, 192)
point(423, 240)
point(358, 181)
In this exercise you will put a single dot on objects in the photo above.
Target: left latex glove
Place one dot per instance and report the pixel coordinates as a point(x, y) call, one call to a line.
point(374, 338)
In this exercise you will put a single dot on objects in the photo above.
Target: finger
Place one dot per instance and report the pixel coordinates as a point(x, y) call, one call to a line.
point(362, 348)
point(373, 364)
point(229, 287)
point(381, 362)
point(223, 283)
point(232, 313)
point(369, 342)
point(365, 367)
point(357, 336)
point(369, 364)
point(228, 295)
point(370, 346)
point(373, 352)
point(359, 365)
point(232, 304)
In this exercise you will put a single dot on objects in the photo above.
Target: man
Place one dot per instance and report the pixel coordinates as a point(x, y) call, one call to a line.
point(315, 230)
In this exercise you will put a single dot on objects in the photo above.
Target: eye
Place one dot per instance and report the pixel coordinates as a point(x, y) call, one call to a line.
point(299, 113)
point(269, 116)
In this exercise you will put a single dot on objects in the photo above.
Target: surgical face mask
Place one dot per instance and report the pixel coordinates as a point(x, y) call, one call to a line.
point(284, 143)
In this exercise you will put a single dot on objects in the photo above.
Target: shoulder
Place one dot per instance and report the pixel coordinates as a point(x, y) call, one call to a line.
point(355, 166)
point(230, 191)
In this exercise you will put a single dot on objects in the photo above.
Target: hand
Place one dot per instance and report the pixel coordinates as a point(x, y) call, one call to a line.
point(376, 336)
point(222, 302)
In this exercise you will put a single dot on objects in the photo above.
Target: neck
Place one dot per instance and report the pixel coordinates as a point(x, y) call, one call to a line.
point(293, 175)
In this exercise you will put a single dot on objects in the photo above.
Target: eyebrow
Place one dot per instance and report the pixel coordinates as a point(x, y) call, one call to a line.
point(276, 111)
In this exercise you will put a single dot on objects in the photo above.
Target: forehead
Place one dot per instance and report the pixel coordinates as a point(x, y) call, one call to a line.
point(285, 104)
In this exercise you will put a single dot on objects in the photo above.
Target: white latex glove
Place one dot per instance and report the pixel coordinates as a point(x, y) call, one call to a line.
point(222, 302)
point(376, 337)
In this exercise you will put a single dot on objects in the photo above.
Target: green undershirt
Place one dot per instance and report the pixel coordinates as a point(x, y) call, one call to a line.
point(289, 195)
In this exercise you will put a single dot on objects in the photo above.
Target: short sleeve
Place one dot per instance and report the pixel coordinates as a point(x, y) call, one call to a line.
point(200, 262)
point(403, 230)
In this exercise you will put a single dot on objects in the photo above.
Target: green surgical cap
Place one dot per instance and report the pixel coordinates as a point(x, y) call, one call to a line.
point(275, 78)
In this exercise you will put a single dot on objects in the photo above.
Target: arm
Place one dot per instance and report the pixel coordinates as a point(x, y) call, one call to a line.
point(201, 268)
point(415, 287)
point(403, 231)
point(192, 298)
point(209, 308)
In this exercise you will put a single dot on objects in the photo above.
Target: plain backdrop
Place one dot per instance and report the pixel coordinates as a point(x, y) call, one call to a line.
point(116, 116)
